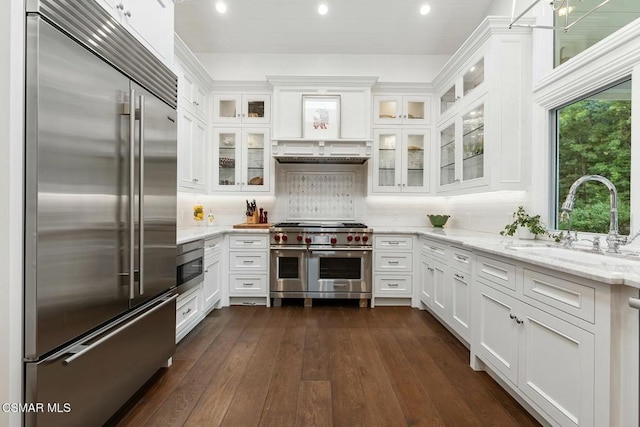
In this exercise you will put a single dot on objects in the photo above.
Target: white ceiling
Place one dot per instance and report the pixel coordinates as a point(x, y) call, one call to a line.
point(350, 27)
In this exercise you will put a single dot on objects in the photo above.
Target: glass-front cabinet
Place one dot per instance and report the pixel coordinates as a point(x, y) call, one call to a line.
point(400, 160)
point(462, 86)
point(241, 159)
point(401, 109)
point(462, 148)
point(245, 109)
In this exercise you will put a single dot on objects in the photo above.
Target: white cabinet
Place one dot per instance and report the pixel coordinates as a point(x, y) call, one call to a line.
point(192, 95)
point(484, 115)
point(241, 160)
point(401, 109)
point(547, 359)
point(192, 142)
point(188, 311)
point(213, 267)
point(392, 269)
point(242, 108)
point(149, 21)
point(400, 160)
point(248, 268)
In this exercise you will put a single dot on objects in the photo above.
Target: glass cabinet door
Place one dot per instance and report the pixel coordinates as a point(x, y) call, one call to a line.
point(473, 77)
point(387, 109)
point(227, 108)
point(448, 155)
point(256, 159)
point(473, 144)
point(256, 108)
point(227, 143)
point(448, 99)
point(416, 170)
point(416, 110)
point(387, 160)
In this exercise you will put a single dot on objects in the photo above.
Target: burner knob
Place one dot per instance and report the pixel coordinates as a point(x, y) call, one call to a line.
point(349, 237)
point(284, 238)
point(299, 237)
point(334, 240)
point(357, 238)
point(276, 238)
point(307, 240)
point(364, 238)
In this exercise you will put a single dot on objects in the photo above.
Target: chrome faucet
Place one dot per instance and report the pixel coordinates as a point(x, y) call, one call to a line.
point(613, 239)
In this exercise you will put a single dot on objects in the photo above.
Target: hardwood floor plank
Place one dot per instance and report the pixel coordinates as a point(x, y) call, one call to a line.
point(282, 398)
point(317, 355)
point(314, 404)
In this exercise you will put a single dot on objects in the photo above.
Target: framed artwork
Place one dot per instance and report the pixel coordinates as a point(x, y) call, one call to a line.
point(321, 116)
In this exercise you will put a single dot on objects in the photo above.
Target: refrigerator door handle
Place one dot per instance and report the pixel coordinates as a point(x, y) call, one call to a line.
point(82, 349)
point(132, 172)
point(141, 201)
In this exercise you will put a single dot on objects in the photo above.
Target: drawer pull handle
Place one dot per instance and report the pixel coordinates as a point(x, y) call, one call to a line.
point(393, 243)
point(340, 285)
point(184, 313)
point(430, 269)
point(248, 242)
point(457, 276)
point(393, 262)
point(248, 303)
point(462, 258)
point(248, 284)
point(392, 285)
point(433, 248)
point(247, 261)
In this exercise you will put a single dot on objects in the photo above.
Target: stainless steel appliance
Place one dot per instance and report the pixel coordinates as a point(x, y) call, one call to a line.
point(320, 260)
point(190, 261)
point(100, 223)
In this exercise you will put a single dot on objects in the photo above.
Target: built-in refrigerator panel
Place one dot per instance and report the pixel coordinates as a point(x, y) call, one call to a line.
point(157, 180)
point(73, 276)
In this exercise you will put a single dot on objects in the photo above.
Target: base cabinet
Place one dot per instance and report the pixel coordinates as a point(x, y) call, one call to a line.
point(248, 269)
point(548, 360)
point(188, 311)
point(392, 269)
point(212, 287)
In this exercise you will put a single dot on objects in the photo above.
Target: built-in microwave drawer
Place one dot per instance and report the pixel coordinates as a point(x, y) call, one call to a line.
point(247, 261)
point(248, 241)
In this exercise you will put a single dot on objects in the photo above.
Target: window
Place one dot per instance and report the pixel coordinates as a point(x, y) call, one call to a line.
point(594, 138)
point(593, 28)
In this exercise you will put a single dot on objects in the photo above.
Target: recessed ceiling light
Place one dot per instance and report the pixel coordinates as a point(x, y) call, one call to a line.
point(221, 7)
point(323, 9)
point(425, 9)
point(473, 69)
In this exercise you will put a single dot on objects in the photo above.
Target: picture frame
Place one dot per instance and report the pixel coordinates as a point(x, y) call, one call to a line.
point(321, 117)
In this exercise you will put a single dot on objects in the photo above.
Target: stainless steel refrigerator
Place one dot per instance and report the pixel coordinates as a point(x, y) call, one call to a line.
point(100, 214)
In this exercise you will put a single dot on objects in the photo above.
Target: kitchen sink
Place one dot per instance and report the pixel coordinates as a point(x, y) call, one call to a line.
point(579, 255)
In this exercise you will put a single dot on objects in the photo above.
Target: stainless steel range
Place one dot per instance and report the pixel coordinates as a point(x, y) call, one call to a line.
point(320, 260)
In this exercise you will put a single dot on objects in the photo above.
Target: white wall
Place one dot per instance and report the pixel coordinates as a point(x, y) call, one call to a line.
point(389, 68)
point(11, 120)
point(503, 7)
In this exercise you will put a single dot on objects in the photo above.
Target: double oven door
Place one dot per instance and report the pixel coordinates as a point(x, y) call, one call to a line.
point(321, 272)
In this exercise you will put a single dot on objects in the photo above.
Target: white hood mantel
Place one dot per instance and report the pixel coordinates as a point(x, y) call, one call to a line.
point(341, 151)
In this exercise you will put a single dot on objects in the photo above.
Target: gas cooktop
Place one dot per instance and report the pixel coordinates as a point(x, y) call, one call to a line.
point(320, 225)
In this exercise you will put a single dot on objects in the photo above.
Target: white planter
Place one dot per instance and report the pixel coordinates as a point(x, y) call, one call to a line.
point(525, 234)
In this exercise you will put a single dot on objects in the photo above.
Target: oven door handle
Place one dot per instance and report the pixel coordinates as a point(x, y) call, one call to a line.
point(340, 249)
point(290, 248)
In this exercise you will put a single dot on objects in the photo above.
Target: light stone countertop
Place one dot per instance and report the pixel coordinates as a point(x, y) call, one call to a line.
point(601, 268)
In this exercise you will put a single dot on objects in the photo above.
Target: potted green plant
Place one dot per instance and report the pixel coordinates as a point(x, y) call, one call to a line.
point(525, 225)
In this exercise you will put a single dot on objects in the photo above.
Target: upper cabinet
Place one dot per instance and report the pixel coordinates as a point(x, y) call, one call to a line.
point(401, 110)
point(484, 115)
point(150, 21)
point(242, 108)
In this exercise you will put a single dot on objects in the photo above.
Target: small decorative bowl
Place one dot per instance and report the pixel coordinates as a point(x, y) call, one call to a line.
point(438, 220)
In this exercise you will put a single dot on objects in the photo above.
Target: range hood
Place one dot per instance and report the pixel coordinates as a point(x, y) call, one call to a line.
point(338, 151)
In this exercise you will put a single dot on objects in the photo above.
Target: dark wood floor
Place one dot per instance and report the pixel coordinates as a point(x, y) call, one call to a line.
point(322, 366)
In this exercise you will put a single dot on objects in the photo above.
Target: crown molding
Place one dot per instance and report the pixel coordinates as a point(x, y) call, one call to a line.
point(186, 57)
point(323, 81)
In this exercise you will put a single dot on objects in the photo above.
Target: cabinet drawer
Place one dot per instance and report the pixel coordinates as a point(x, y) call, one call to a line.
point(388, 261)
point(461, 259)
point(393, 286)
point(247, 261)
point(569, 297)
point(213, 244)
point(248, 242)
point(247, 284)
point(393, 242)
point(501, 273)
point(187, 309)
point(433, 249)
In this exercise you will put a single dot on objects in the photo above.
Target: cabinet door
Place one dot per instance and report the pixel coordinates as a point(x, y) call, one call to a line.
point(227, 108)
point(415, 171)
point(427, 278)
point(256, 160)
point(473, 144)
point(387, 109)
point(387, 161)
point(440, 290)
point(227, 158)
point(191, 152)
point(147, 20)
point(498, 331)
point(448, 155)
point(416, 110)
point(212, 280)
point(460, 299)
point(256, 109)
point(557, 368)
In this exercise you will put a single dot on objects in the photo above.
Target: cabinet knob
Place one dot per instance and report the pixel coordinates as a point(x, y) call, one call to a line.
point(519, 321)
point(120, 6)
point(127, 14)
point(512, 316)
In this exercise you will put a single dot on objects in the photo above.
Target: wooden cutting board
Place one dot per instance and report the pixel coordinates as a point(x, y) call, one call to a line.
point(254, 226)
